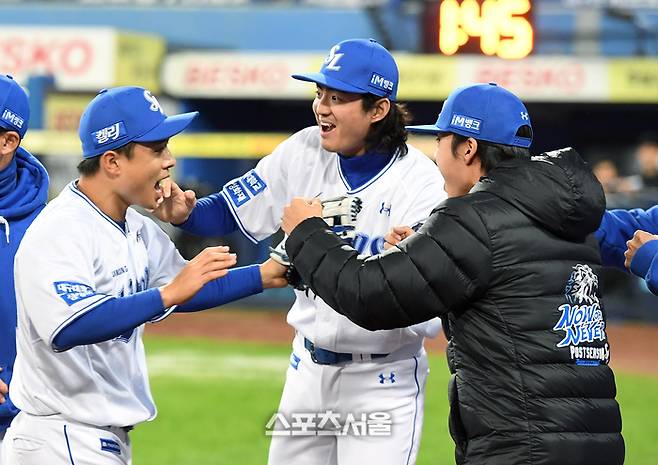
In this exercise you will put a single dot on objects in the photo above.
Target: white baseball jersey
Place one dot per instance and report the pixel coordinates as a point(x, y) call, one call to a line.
point(404, 192)
point(72, 259)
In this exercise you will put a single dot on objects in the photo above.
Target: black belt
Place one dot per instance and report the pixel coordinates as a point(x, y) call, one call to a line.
point(327, 357)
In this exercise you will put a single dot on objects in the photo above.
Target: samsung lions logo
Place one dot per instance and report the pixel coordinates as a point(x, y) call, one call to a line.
point(155, 105)
point(582, 318)
point(331, 62)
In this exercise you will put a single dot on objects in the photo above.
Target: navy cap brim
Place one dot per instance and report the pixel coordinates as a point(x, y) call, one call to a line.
point(329, 82)
point(424, 129)
point(169, 127)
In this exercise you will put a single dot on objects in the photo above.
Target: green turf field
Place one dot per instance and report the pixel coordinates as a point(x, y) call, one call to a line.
point(214, 400)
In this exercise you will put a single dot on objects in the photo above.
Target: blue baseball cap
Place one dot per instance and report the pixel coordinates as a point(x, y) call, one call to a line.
point(14, 106)
point(120, 115)
point(483, 111)
point(360, 66)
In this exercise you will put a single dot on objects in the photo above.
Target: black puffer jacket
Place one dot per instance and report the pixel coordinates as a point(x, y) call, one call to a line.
point(513, 270)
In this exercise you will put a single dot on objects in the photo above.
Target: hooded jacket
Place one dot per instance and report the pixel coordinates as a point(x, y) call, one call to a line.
point(23, 194)
point(513, 270)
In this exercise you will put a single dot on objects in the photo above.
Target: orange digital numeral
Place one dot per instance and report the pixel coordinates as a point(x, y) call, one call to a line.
point(499, 24)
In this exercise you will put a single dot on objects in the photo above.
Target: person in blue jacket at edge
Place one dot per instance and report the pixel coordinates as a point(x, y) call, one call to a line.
point(23, 194)
point(627, 241)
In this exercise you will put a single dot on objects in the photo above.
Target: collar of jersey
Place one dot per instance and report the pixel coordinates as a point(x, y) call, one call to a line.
point(369, 164)
point(74, 188)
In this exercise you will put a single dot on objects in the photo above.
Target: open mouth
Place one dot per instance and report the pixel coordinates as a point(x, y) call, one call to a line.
point(160, 186)
point(326, 127)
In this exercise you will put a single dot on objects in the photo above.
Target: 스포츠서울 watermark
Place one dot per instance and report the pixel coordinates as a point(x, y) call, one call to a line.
point(329, 423)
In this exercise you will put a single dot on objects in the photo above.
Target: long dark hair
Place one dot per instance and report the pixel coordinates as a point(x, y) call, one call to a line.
point(387, 135)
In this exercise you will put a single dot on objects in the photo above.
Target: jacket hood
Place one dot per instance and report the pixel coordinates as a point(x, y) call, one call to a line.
point(556, 189)
point(30, 186)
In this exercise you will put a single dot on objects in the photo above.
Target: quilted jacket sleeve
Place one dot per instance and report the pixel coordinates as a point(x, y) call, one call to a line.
point(442, 268)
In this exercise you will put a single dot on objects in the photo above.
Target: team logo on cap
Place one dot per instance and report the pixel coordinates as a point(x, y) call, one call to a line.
point(155, 105)
point(331, 62)
point(12, 118)
point(466, 122)
point(381, 82)
point(109, 134)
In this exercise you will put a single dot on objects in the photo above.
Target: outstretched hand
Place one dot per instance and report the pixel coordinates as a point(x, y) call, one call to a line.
point(639, 239)
point(298, 210)
point(175, 205)
point(211, 263)
point(273, 274)
point(397, 235)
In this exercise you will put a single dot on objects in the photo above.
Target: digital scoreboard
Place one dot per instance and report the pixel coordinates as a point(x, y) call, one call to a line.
point(501, 28)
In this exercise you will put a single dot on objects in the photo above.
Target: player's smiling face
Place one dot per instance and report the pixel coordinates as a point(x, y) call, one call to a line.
point(343, 122)
point(145, 172)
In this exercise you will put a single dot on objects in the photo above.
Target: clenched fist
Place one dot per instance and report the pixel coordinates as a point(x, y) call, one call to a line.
point(639, 239)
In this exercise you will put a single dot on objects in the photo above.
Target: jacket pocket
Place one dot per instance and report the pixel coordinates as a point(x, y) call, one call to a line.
point(455, 424)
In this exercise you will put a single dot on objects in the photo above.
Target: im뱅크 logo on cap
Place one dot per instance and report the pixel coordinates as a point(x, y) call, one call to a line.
point(466, 122)
point(381, 82)
point(12, 118)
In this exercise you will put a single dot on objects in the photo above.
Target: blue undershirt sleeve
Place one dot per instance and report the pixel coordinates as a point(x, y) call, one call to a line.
point(110, 319)
point(617, 227)
point(645, 264)
point(210, 217)
point(121, 315)
point(238, 283)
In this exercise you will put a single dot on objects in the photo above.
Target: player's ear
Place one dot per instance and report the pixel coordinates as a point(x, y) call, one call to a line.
point(470, 150)
point(381, 109)
point(9, 142)
point(109, 163)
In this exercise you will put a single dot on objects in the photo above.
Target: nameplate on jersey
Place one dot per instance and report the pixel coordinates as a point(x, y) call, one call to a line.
point(72, 292)
point(243, 189)
point(109, 134)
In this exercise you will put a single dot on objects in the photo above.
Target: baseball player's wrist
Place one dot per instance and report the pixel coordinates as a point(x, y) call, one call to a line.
point(167, 295)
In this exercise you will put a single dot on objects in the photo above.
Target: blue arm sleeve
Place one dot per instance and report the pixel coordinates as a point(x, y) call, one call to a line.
point(210, 217)
point(238, 283)
point(110, 319)
point(645, 265)
point(617, 227)
point(122, 315)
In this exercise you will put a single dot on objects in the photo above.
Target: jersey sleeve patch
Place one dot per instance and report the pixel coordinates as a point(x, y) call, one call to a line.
point(237, 193)
point(241, 190)
point(253, 183)
point(72, 292)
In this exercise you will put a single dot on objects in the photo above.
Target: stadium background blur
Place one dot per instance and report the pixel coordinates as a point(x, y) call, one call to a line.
point(590, 81)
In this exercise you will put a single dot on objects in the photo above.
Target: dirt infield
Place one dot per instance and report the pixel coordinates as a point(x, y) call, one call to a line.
point(634, 346)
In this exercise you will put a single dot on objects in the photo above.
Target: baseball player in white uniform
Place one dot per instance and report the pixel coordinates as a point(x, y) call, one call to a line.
point(339, 372)
point(89, 273)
